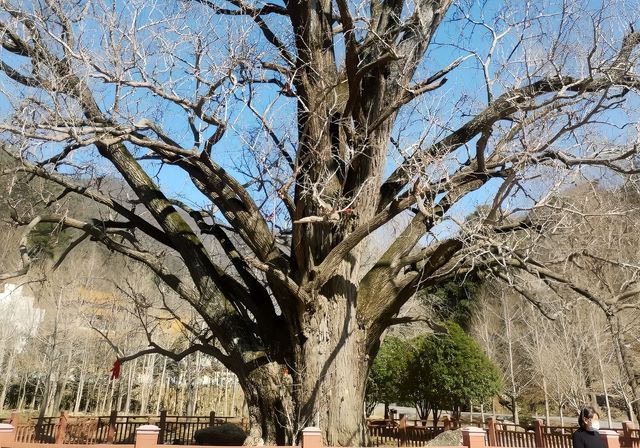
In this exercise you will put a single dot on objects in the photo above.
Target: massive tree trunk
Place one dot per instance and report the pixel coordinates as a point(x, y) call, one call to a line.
point(324, 386)
point(268, 395)
point(332, 369)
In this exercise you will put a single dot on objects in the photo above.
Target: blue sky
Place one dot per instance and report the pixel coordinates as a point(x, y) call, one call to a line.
point(453, 104)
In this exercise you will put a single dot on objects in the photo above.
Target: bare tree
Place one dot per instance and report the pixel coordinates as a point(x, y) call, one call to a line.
point(598, 254)
point(583, 277)
point(290, 133)
point(501, 324)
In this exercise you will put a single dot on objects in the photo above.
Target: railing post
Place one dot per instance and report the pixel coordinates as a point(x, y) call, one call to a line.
point(14, 419)
point(473, 437)
point(611, 439)
point(402, 430)
point(111, 432)
point(244, 422)
point(147, 436)
point(163, 425)
point(7, 434)
point(212, 418)
point(311, 437)
point(446, 422)
point(538, 427)
point(491, 431)
point(62, 428)
point(627, 431)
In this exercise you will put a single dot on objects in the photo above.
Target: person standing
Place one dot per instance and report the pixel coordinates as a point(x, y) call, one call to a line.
point(587, 435)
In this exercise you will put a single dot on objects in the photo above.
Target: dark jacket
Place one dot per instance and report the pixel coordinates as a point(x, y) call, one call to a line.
point(583, 438)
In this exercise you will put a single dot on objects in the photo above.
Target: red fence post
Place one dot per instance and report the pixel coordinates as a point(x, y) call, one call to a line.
point(147, 436)
point(538, 427)
point(311, 437)
point(14, 419)
point(62, 428)
point(627, 432)
point(7, 434)
point(402, 430)
point(473, 437)
point(491, 430)
point(611, 439)
point(212, 418)
point(111, 432)
point(162, 425)
point(446, 422)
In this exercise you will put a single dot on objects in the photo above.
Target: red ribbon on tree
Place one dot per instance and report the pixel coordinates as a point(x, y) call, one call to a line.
point(115, 370)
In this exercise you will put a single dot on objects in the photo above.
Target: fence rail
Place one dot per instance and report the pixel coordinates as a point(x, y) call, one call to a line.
point(121, 429)
point(631, 435)
point(559, 439)
point(148, 436)
point(111, 429)
point(404, 432)
point(541, 436)
point(516, 439)
point(498, 434)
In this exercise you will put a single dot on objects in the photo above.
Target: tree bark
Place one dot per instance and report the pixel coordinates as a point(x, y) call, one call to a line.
point(596, 339)
point(112, 388)
point(161, 386)
point(332, 368)
point(44, 405)
point(8, 373)
point(32, 403)
point(547, 413)
point(226, 395)
point(180, 391)
point(329, 372)
point(92, 396)
point(132, 369)
point(52, 394)
point(147, 379)
point(267, 396)
point(81, 379)
point(63, 380)
point(23, 392)
point(624, 363)
point(512, 379)
point(233, 407)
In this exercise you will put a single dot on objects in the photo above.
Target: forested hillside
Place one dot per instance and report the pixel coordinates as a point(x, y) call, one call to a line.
point(97, 306)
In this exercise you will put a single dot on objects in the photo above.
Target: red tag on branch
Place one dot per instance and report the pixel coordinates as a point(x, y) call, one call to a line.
point(115, 370)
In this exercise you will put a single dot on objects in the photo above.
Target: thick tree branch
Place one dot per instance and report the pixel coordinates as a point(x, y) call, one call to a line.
point(331, 263)
point(411, 92)
point(24, 252)
point(503, 107)
point(94, 195)
point(529, 296)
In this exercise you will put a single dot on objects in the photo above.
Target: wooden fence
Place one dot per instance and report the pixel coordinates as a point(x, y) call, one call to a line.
point(415, 433)
point(147, 436)
point(403, 432)
point(541, 436)
point(111, 429)
point(121, 430)
point(409, 436)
